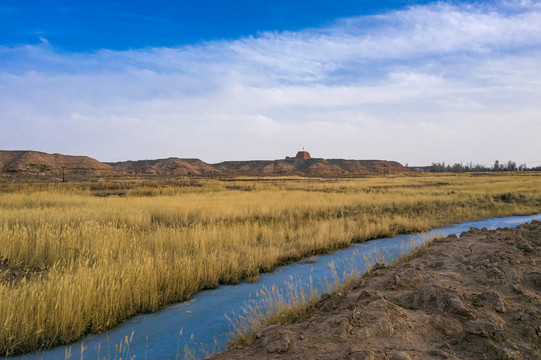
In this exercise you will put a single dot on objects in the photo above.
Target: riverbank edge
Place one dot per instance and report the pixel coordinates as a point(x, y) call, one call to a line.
point(469, 321)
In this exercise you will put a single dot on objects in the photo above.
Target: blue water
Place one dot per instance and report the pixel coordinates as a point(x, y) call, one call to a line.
point(203, 320)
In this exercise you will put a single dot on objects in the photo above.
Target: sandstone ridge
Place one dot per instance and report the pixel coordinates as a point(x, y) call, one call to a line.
point(34, 162)
point(310, 167)
point(169, 166)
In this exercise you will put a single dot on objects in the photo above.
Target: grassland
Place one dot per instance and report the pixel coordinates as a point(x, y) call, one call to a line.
point(89, 262)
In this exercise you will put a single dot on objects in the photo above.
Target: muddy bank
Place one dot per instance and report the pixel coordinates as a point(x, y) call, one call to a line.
point(473, 297)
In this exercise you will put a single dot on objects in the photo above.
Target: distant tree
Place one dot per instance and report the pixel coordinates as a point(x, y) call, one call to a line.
point(438, 167)
point(457, 168)
point(480, 167)
point(470, 167)
point(511, 166)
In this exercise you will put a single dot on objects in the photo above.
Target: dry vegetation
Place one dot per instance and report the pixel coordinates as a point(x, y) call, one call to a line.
point(292, 305)
point(73, 262)
point(473, 297)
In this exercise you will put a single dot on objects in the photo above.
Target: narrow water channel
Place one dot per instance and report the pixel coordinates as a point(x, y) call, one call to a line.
point(203, 320)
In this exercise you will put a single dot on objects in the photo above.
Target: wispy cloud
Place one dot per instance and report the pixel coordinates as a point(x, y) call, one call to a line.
point(428, 83)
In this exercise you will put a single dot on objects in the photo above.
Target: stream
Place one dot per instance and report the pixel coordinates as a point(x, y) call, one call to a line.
point(201, 324)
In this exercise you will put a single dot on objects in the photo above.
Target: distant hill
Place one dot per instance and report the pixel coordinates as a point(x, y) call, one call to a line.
point(310, 167)
point(170, 166)
point(34, 162)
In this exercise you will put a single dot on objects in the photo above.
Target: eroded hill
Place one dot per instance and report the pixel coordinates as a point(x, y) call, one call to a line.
point(34, 162)
point(170, 166)
point(310, 167)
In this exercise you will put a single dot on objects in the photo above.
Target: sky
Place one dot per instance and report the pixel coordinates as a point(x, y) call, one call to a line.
point(412, 81)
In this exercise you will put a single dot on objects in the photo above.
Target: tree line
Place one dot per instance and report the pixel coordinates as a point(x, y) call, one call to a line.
point(470, 167)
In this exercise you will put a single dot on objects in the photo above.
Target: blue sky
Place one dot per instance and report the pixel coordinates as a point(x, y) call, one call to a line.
point(122, 25)
point(412, 81)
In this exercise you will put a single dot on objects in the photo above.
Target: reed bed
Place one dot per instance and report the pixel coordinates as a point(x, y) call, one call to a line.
point(91, 261)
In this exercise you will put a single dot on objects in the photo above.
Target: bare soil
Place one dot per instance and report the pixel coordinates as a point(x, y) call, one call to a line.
point(473, 297)
point(14, 274)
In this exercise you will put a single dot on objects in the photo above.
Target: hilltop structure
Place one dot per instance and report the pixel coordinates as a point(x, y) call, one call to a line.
point(301, 155)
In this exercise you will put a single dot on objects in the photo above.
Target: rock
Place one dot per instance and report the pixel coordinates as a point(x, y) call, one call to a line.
point(362, 355)
point(533, 280)
point(474, 230)
point(399, 355)
point(458, 307)
point(518, 289)
point(494, 299)
point(441, 354)
point(526, 247)
point(495, 273)
point(275, 339)
point(520, 316)
point(381, 328)
point(486, 328)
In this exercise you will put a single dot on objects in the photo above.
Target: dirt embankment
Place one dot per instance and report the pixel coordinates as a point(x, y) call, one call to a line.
point(476, 297)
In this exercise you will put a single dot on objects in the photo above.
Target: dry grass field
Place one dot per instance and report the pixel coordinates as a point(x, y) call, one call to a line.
point(80, 258)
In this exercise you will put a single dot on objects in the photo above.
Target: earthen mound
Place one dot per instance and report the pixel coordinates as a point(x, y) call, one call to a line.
point(473, 297)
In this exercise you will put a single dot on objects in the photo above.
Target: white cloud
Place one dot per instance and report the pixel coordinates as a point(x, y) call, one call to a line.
point(429, 83)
